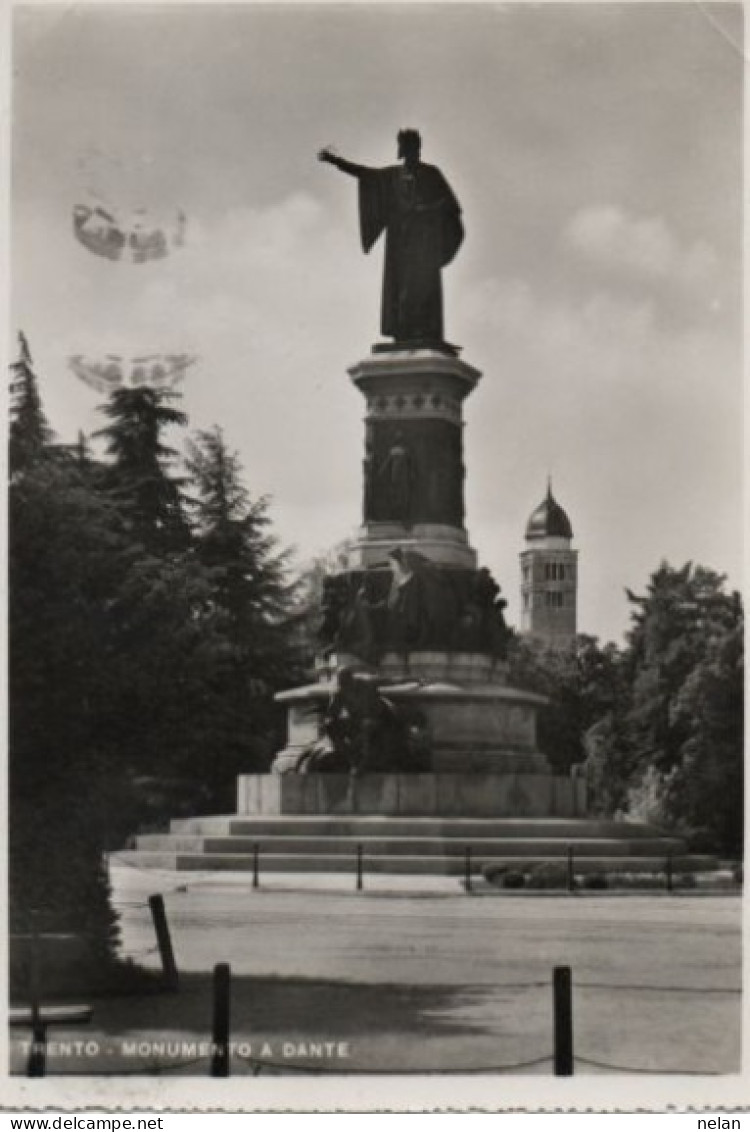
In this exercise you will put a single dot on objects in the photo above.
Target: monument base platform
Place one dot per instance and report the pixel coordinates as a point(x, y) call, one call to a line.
point(407, 845)
point(413, 795)
point(476, 723)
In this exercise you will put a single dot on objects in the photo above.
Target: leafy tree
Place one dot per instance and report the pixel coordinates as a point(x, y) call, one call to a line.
point(704, 793)
point(581, 684)
point(671, 748)
point(609, 762)
point(672, 625)
point(64, 565)
point(140, 653)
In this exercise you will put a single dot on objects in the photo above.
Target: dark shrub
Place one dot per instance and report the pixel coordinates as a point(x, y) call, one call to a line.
point(595, 880)
point(701, 841)
point(636, 880)
point(548, 876)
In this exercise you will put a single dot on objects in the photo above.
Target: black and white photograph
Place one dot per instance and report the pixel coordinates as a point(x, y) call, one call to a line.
point(375, 555)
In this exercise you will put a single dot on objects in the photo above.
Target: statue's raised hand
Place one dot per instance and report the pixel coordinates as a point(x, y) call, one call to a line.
point(327, 153)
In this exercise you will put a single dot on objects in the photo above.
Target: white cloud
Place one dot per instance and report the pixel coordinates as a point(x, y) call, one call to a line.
point(277, 301)
point(609, 238)
point(602, 337)
point(636, 419)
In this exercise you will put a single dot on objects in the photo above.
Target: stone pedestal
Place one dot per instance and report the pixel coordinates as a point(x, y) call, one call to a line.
point(411, 605)
point(413, 469)
point(412, 795)
point(475, 722)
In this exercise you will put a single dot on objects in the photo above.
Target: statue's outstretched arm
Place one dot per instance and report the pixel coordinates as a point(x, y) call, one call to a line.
point(341, 163)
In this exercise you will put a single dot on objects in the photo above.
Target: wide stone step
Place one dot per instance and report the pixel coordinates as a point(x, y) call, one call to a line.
point(444, 827)
point(436, 865)
point(418, 846)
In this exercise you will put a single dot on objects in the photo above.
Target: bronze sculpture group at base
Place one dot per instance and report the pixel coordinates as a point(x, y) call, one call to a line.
point(364, 731)
point(412, 605)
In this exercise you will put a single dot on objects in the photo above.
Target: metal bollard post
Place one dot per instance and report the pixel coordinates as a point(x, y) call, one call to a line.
point(563, 1024)
point(669, 872)
point(359, 868)
point(571, 873)
point(256, 874)
point(220, 1032)
point(467, 868)
point(170, 977)
point(37, 1063)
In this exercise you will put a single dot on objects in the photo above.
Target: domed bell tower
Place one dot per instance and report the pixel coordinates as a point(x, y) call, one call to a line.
point(549, 576)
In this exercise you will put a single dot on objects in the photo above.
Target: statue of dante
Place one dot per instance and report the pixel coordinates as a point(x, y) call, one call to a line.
point(416, 206)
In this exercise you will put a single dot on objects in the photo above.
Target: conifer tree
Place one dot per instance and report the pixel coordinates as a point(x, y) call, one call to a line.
point(64, 566)
point(30, 432)
point(252, 596)
point(142, 478)
point(233, 539)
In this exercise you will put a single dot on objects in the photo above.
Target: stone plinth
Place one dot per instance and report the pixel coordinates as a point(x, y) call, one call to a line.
point(410, 604)
point(413, 469)
point(473, 727)
point(447, 545)
point(425, 666)
point(413, 795)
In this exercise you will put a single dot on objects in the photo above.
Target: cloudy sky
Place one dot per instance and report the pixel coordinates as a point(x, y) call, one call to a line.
point(596, 150)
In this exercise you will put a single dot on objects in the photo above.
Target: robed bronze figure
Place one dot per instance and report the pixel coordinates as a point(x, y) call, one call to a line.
point(416, 207)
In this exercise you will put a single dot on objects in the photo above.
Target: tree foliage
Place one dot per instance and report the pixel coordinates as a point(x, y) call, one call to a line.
point(147, 631)
point(581, 685)
point(64, 568)
point(30, 433)
point(672, 744)
point(658, 723)
point(151, 620)
point(140, 475)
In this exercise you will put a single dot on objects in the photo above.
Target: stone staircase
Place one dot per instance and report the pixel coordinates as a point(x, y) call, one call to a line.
point(413, 845)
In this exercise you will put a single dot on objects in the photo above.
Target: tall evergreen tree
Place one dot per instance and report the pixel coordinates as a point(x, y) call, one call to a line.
point(233, 541)
point(63, 565)
point(142, 476)
point(140, 654)
point(30, 433)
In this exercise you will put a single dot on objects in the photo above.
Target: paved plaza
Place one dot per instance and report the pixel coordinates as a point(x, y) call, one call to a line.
point(414, 975)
